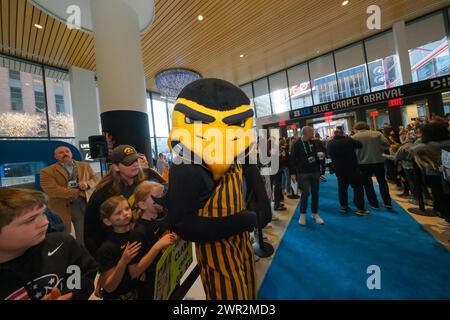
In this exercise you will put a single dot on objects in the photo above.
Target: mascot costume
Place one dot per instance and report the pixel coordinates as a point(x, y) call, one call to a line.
point(212, 128)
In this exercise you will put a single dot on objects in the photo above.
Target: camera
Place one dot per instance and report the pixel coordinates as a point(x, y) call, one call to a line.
point(72, 184)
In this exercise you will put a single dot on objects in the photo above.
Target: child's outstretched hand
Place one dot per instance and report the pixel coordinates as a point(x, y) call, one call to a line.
point(175, 237)
point(131, 250)
point(165, 241)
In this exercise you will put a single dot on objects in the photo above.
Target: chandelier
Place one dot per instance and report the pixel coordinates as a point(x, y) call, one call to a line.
point(170, 82)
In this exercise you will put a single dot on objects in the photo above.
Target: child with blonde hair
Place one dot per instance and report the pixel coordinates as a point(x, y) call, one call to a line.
point(151, 234)
point(117, 251)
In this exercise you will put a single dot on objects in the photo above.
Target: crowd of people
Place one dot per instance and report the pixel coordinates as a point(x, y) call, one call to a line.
point(355, 157)
point(116, 219)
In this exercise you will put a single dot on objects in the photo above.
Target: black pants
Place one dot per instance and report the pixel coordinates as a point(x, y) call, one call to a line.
point(309, 183)
point(437, 192)
point(353, 178)
point(409, 174)
point(276, 181)
point(367, 170)
point(323, 166)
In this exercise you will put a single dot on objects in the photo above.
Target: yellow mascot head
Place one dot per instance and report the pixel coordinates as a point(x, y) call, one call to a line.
point(212, 125)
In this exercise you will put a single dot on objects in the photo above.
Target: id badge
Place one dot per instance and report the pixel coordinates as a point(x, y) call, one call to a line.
point(72, 184)
point(311, 159)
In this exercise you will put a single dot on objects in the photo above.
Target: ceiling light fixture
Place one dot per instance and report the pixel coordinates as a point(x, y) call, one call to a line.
point(170, 82)
point(241, 56)
point(38, 26)
point(200, 18)
point(345, 3)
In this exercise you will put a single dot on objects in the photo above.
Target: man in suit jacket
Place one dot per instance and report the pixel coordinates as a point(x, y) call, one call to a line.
point(67, 182)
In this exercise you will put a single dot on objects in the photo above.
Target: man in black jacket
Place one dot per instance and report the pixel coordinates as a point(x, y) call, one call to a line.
point(305, 163)
point(342, 152)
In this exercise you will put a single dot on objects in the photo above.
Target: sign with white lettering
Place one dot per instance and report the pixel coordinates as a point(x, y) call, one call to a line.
point(85, 151)
point(379, 97)
point(174, 262)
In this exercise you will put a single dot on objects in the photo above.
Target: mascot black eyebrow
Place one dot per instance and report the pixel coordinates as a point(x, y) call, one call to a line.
point(205, 199)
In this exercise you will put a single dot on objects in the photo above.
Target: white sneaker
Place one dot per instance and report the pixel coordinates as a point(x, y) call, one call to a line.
point(317, 218)
point(302, 220)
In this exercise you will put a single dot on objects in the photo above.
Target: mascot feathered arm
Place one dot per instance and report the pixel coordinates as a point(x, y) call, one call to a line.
point(183, 200)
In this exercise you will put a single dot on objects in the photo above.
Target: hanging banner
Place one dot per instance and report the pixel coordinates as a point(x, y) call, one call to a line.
point(379, 97)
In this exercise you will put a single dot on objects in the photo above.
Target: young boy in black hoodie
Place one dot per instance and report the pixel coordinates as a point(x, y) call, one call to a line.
point(35, 265)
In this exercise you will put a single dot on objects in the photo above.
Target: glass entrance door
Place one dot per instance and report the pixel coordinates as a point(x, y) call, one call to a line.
point(377, 118)
point(326, 126)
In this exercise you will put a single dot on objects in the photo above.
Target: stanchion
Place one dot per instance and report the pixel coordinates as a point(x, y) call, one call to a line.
point(421, 210)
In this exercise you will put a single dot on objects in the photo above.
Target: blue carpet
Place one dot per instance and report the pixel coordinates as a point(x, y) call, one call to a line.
point(331, 261)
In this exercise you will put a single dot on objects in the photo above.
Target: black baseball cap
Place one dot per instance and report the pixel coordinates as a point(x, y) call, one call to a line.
point(124, 154)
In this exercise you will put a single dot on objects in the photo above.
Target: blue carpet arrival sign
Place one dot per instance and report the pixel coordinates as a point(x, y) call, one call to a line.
point(384, 97)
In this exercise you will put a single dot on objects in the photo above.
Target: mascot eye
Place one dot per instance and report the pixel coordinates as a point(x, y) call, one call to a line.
point(193, 121)
point(189, 120)
point(239, 124)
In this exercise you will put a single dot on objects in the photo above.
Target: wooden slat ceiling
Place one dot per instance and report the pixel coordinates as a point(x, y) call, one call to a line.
point(271, 34)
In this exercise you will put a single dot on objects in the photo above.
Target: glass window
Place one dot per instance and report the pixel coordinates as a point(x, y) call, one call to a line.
point(160, 114)
point(18, 115)
point(324, 79)
point(446, 102)
point(428, 47)
point(39, 98)
point(16, 99)
point(262, 98)
point(351, 71)
point(170, 106)
point(300, 86)
point(150, 118)
point(59, 103)
point(383, 64)
point(279, 93)
point(248, 91)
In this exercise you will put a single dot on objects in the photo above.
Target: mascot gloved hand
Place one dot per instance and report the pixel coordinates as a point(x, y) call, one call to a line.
point(211, 138)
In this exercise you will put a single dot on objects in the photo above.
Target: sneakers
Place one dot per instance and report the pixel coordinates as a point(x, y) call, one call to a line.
point(317, 218)
point(302, 220)
point(293, 196)
point(280, 208)
point(343, 209)
point(362, 212)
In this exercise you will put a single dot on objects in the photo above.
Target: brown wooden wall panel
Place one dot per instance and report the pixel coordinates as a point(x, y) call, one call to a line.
point(272, 34)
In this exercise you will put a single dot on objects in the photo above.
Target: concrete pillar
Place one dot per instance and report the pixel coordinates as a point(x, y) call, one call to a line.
point(401, 48)
point(84, 104)
point(120, 73)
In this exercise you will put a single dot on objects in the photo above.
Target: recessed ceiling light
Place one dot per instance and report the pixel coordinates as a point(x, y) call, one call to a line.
point(200, 18)
point(38, 26)
point(345, 2)
point(241, 55)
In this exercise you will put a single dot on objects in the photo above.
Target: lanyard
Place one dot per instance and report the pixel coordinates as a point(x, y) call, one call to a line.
point(74, 175)
point(309, 147)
